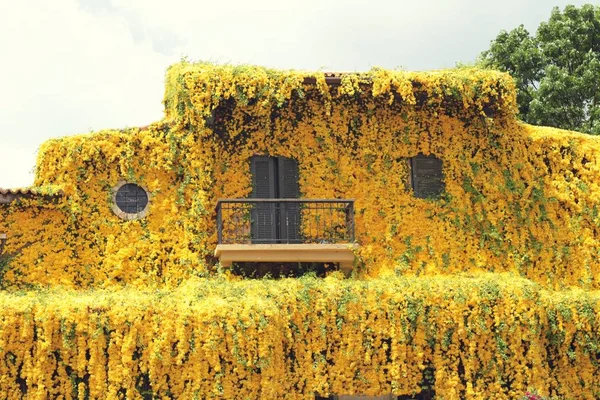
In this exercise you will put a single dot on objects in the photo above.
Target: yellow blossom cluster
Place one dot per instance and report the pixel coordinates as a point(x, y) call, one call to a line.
point(464, 337)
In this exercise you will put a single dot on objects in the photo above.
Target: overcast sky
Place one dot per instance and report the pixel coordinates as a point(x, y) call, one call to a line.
point(73, 66)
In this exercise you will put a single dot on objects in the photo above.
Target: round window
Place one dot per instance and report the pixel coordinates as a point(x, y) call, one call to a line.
point(130, 201)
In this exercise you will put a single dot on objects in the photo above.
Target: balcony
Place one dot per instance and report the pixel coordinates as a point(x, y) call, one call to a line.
point(286, 230)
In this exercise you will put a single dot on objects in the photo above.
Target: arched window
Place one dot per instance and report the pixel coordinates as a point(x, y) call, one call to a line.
point(426, 177)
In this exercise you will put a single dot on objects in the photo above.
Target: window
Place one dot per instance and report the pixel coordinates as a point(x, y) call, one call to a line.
point(426, 177)
point(130, 201)
point(273, 178)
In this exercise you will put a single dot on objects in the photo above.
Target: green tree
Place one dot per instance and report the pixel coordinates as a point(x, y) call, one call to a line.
point(557, 70)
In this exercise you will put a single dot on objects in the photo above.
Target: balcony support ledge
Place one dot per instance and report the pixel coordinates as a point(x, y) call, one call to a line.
point(313, 252)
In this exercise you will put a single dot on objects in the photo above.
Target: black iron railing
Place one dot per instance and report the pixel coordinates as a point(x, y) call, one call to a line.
point(256, 221)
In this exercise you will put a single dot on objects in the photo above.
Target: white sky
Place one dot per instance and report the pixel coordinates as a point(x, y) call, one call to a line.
point(73, 66)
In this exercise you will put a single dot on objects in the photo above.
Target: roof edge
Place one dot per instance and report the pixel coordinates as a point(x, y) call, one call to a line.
point(9, 195)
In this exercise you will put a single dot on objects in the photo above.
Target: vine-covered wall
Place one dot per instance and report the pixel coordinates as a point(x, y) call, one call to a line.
point(427, 308)
point(463, 337)
point(517, 198)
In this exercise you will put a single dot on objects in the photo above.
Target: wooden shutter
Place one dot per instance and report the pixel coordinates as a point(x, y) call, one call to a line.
point(427, 176)
point(264, 221)
point(289, 218)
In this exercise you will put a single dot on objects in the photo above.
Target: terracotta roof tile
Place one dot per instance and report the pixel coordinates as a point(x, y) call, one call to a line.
point(9, 195)
point(18, 191)
point(338, 74)
point(332, 78)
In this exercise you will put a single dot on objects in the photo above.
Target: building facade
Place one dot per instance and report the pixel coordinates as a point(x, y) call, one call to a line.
point(454, 224)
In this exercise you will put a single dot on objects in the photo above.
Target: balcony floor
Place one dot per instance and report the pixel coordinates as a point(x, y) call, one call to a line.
point(313, 252)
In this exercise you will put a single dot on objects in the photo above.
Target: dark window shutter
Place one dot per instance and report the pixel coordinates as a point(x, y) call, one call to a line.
point(288, 178)
point(263, 178)
point(427, 176)
point(289, 188)
point(264, 222)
